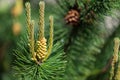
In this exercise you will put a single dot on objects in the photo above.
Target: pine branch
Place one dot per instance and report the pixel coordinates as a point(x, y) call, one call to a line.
point(52, 68)
point(83, 42)
point(104, 57)
point(34, 61)
point(84, 51)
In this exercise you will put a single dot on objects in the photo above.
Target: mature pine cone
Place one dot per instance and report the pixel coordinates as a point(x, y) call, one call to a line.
point(72, 17)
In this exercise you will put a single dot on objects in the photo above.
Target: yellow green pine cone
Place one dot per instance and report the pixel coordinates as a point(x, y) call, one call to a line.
point(41, 49)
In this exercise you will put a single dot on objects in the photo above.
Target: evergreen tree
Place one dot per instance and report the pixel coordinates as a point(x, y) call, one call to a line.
point(82, 46)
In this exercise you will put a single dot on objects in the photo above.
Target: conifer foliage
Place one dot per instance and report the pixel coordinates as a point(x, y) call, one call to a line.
point(83, 33)
point(74, 46)
point(33, 60)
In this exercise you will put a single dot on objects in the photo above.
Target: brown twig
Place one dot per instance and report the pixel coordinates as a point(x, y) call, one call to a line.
point(105, 69)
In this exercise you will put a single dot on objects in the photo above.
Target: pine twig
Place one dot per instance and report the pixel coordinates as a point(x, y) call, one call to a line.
point(115, 57)
point(31, 37)
point(50, 39)
point(41, 53)
point(41, 19)
point(28, 15)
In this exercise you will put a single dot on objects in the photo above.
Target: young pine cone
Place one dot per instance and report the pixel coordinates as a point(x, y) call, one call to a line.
point(42, 49)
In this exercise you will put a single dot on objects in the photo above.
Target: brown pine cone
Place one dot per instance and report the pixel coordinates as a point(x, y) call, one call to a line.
point(72, 17)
